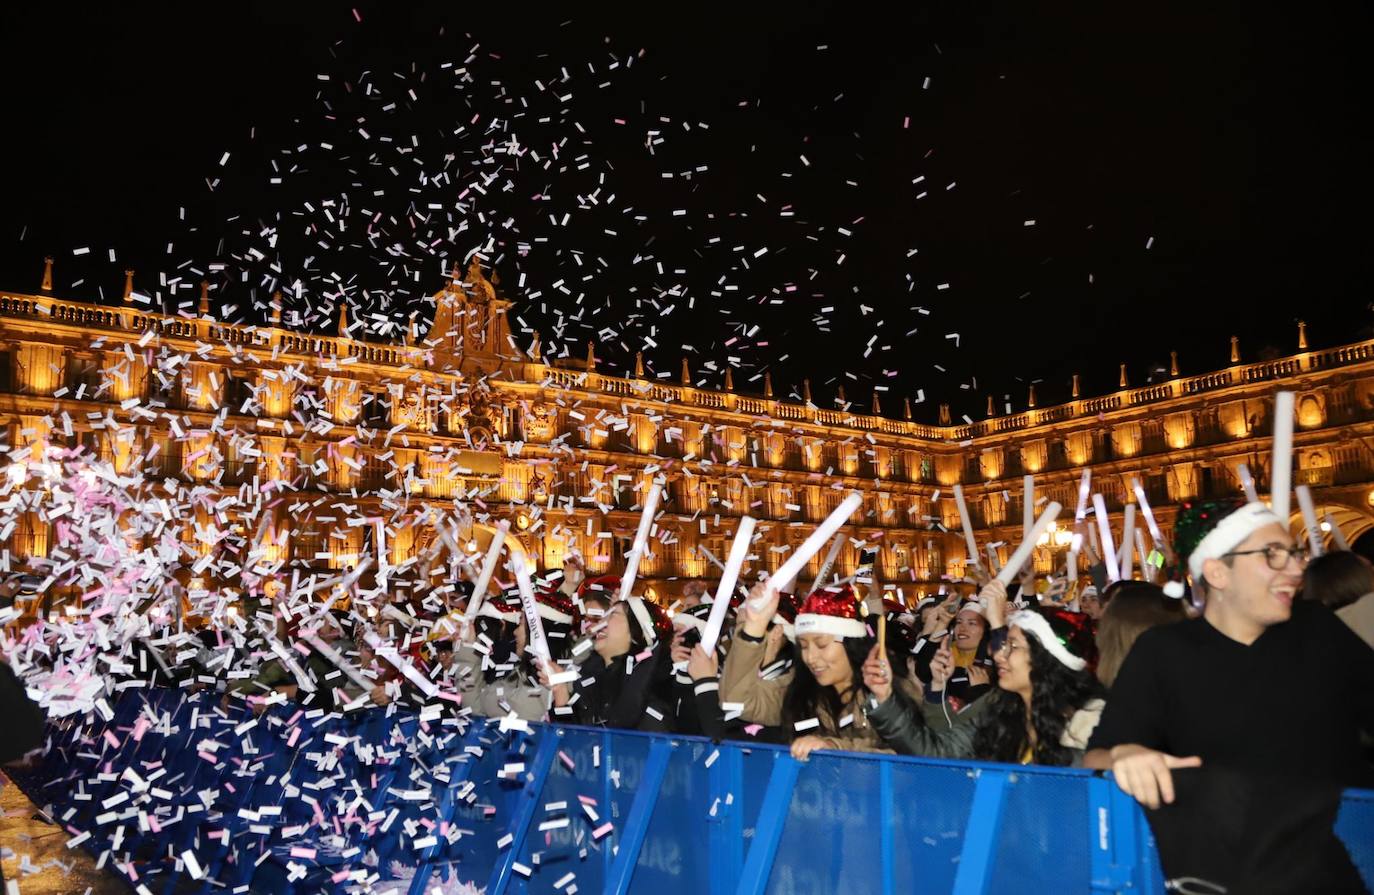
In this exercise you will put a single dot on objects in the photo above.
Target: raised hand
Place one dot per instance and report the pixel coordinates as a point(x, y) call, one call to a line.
point(877, 675)
point(941, 667)
point(994, 597)
point(759, 608)
point(700, 665)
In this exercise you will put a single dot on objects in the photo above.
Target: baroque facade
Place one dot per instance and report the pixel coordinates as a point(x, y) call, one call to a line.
point(340, 432)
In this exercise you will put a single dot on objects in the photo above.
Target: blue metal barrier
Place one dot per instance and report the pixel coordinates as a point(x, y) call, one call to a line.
point(325, 803)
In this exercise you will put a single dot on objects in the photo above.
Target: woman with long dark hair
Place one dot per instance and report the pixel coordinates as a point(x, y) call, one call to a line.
point(818, 703)
point(1044, 708)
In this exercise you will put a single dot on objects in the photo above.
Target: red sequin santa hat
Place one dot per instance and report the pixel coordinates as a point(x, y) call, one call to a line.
point(502, 607)
point(607, 586)
point(832, 611)
point(555, 606)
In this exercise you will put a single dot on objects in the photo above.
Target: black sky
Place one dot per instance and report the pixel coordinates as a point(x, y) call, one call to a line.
point(1231, 139)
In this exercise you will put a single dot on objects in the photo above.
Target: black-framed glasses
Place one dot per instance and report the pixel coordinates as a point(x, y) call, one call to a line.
point(1277, 555)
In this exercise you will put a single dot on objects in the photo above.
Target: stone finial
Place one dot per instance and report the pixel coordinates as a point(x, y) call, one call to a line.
point(1030, 399)
point(276, 308)
point(839, 396)
point(1124, 383)
point(639, 364)
point(1173, 364)
point(992, 407)
point(536, 349)
point(1302, 335)
point(1235, 349)
point(591, 356)
point(47, 274)
point(768, 385)
point(205, 298)
point(877, 406)
point(806, 391)
point(1077, 390)
point(944, 415)
point(729, 380)
point(343, 319)
point(686, 377)
point(906, 409)
point(128, 286)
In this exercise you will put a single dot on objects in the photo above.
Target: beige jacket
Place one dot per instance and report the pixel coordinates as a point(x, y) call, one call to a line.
point(1359, 617)
point(762, 701)
point(526, 698)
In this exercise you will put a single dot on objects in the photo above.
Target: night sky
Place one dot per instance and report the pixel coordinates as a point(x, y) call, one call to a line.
point(1191, 173)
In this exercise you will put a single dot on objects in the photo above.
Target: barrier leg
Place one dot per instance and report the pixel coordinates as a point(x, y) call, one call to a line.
point(447, 805)
point(776, 802)
point(984, 821)
point(887, 854)
point(524, 814)
point(725, 831)
point(1113, 831)
point(636, 824)
point(607, 797)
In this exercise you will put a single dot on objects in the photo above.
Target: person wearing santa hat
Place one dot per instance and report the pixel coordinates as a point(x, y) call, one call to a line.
point(1255, 644)
point(1232, 693)
point(1045, 705)
point(625, 682)
point(818, 703)
point(498, 677)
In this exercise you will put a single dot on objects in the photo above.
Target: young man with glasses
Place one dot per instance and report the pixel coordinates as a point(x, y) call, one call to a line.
point(1262, 687)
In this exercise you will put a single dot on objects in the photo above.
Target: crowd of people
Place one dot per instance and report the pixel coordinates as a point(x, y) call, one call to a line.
point(1266, 668)
point(1123, 677)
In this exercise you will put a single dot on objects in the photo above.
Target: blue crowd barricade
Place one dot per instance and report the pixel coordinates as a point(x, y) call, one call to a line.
point(179, 794)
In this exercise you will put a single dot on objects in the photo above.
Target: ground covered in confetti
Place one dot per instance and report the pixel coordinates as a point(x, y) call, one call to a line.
point(36, 857)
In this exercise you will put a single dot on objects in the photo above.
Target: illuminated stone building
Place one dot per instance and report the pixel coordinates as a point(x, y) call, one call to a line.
point(336, 432)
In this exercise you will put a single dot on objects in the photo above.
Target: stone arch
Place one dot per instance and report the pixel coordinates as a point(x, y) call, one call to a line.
point(1352, 521)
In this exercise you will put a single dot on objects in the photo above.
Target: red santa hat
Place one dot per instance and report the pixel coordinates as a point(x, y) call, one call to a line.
point(502, 607)
point(555, 606)
point(832, 611)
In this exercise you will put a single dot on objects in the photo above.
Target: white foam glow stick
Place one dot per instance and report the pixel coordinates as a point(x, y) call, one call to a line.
point(1023, 552)
point(739, 549)
point(379, 541)
point(793, 565)
point(1127, 559)
point(388, 652)
point(646, 521)
point(1104, 530)
point(1084, 485)
point(1281, 477)
point(1337, 536)
point(1147, 568)
point(1149, 513)
point(1309, 520)
point(1028, 504)
point(339, 662)
point(539, 644)
point(479, 590)
point(966, 525)
point(1247, 483)
point(404, 618)
point(828, 563)
point(711, 557)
